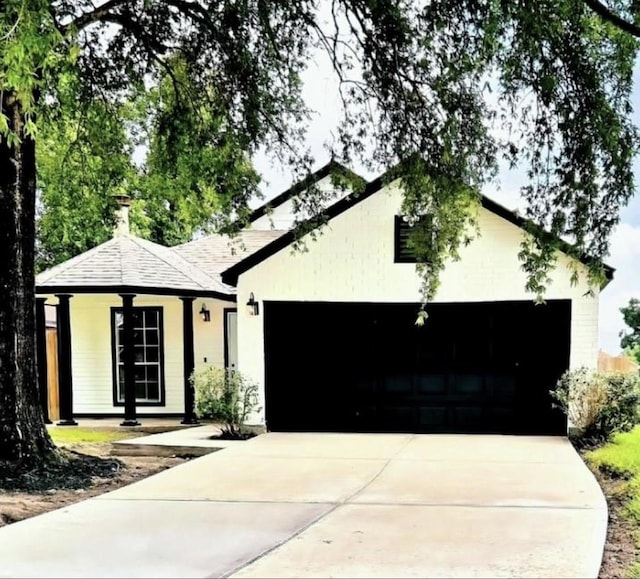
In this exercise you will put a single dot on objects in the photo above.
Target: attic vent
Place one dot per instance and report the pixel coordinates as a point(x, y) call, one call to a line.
point(404, 253)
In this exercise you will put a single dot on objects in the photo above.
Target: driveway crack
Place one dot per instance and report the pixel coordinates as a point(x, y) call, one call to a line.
point(330, 510)
point(377, 474)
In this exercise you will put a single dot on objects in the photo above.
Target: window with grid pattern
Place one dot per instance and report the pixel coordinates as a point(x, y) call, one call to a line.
point(147, 347)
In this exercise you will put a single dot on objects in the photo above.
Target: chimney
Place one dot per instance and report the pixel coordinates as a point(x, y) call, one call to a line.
point(122, 215)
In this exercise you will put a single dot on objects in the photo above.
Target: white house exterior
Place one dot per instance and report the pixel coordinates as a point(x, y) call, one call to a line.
point(352, 262)
point(92, 350)
point(333, 345)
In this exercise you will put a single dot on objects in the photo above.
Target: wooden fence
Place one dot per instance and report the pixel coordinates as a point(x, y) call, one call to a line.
point(52, 373)
point(609, 363)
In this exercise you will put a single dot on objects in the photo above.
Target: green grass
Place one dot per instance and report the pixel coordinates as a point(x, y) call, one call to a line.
point(64, 435)
point(621, 459)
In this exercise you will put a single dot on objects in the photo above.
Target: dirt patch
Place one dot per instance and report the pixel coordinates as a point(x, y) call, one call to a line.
point(92, 471)
point(620, 551)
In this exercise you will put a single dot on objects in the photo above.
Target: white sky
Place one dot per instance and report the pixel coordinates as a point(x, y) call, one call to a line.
point(321, 95)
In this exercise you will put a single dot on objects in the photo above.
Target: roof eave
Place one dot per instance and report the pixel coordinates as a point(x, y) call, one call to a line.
point(132, 289)
point(300, 186)
point(230, 275)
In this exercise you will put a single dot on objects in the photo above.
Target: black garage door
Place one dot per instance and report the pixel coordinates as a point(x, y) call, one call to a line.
point(476, 367)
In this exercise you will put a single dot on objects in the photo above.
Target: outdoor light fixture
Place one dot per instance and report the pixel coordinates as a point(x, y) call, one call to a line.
point(252, 306)
point(205, 313)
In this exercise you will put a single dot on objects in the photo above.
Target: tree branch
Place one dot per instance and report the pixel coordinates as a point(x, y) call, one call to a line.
point(133, 27)
point(193, 10)
point(95, 15)
point(611, 17)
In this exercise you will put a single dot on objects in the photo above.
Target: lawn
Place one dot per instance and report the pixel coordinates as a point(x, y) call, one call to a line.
point(620, 460)
point(67, 435)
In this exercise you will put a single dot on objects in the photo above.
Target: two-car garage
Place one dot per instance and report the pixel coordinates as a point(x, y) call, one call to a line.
point(334, 345)
point(367, 367)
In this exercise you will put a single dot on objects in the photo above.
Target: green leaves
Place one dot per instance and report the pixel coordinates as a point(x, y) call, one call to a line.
point(194, 176)
point(30, 46)
point(84, 159)
point(459, 84)
point(631, 315)
point(197, 176)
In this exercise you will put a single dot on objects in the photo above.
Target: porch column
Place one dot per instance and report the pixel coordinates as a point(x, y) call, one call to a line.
point(189, 361)
point(65, 378)
point(129, 362)
point(41, 357)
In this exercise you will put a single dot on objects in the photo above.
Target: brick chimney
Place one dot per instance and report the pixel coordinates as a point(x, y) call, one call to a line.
point(122, 215)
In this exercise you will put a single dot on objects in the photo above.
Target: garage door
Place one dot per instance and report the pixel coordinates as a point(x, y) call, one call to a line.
point(477, 367)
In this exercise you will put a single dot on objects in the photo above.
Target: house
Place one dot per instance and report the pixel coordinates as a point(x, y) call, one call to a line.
point(328, 333)
point(179, 311)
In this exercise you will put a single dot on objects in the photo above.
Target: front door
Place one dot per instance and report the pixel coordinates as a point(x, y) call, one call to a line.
point(230, 339)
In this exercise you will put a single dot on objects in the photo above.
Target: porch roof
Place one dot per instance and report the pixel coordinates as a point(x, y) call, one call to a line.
point(127, 263)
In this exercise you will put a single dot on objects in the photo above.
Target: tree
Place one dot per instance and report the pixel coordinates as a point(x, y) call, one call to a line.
point(195, 170)
point(84, 160)
point(425, 85)
point(633, 353)
point(631, 339)
point(192, 172)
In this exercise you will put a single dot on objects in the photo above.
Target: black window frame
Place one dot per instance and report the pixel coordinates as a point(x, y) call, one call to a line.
point(114, 357)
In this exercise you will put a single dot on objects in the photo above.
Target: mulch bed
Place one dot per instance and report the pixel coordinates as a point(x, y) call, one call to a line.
point(73, 471)
point(87, 472)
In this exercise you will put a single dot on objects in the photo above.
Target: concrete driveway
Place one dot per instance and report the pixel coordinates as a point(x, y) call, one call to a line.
point(334, 505)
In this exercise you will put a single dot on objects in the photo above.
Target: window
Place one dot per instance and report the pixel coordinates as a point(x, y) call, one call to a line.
point(148, 355)
point(404, 253)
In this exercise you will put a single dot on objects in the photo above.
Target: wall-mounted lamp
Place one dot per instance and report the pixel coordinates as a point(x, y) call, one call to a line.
point(205, 313)
point(253, 309)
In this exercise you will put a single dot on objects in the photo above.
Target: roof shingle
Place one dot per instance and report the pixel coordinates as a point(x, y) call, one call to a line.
point(215, 253)
point(128, 261)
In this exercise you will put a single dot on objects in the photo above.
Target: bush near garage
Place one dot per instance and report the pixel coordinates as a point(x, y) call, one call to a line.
point(598, 404)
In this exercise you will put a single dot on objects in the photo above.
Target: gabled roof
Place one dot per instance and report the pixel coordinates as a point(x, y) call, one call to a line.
point(297, 188)
point(130, 264)
point(215, 253)
point(127, 263)
point(230, 276)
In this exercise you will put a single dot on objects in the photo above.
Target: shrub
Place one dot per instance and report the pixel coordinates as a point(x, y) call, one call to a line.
point(226, 396)
point(621, 412)
point(598, 404)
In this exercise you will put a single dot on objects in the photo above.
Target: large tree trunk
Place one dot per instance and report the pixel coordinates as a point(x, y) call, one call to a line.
point(24, 440)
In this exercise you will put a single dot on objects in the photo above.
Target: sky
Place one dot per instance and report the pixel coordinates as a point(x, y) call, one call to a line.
point(320, 93)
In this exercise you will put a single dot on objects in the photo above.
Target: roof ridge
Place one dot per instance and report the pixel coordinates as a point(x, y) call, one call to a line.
point(227, 237)
point(184, 266)
point(122, 237)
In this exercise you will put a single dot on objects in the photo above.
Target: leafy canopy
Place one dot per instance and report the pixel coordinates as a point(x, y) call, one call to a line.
point(195, 170)
point(451, 88)
point(631, 338)
point(84, 159)
point(192, 171)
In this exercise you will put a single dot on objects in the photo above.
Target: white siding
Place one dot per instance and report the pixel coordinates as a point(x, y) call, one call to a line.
point(92, 355)
point(209, 336)
point(353, 261)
